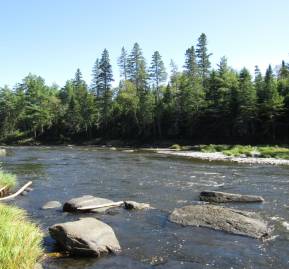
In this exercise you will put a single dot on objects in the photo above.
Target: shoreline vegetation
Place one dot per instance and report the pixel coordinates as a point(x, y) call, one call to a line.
point(20, 239)
point(197, 102)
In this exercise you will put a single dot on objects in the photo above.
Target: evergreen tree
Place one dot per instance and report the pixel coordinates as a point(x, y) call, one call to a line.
point(95, 85)
point(247, 101)
point(203, 57)
point(78, 78)
point(191, 66)
point(123, 64)
point(105, 80)
point(158, 75)
point(137, 68)
point(271, 104)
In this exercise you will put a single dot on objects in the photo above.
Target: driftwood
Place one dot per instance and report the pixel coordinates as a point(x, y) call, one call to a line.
point(113, 204)
point(9, 197)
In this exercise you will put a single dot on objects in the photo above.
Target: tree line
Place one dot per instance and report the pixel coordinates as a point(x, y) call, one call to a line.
point(197, 103)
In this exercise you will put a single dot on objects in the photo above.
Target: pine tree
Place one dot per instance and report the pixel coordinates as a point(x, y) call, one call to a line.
point(105, 80)
point(283, 79)
point(123, 64)
point(158, 75)
point(158, 72)
point(203, 57)
point(271, 103)
point(95, 85)
point(247, 99)
point(78, 78)
point(137, 68)
point(191, 66)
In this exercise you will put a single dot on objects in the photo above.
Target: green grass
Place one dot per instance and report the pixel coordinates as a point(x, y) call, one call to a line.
point(20, 240)
point(7, 179)
point(249, 151)
point(176, 147)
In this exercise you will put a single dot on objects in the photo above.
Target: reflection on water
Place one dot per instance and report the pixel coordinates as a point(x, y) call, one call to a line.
point(148, 239)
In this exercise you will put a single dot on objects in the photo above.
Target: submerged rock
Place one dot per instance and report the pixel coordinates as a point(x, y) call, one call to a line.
point(135, 205)
point(224, 197)
point(51, 205)
point(220, 218)
point(86, 201)
point(85, 237)
point(24, 193)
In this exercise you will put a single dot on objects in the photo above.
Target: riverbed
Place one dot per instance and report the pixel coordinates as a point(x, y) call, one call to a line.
point(147, 238)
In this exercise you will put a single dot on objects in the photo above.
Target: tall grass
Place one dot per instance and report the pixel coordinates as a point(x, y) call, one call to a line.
point(7, 179)
point(20, 240)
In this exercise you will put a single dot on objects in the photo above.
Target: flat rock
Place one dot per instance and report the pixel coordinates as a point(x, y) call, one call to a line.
point(85, 237)
point(86, 201)
point(220, 218)
point(224, 197)
point(135, 205)
point(51, 205)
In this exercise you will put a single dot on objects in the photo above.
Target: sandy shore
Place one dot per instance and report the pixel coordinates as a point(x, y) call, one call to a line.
point(218, 156)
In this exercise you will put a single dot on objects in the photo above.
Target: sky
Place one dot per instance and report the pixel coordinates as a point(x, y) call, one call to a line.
point(53, 38)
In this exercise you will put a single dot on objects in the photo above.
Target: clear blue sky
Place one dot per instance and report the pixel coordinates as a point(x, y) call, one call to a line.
point(52, 38)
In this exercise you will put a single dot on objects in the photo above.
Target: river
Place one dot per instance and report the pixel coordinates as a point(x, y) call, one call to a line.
point(147, 238)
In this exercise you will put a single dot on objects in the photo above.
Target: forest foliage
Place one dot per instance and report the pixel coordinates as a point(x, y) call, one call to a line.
point(197, 102)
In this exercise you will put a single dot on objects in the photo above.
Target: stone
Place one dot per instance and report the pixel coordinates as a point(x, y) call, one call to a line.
point(84, 201)
point(24, 193)
point(221, 218)
point(135, 205)
point(224, 197)
point(85, 237)
point(51, 205)
point(3, 152)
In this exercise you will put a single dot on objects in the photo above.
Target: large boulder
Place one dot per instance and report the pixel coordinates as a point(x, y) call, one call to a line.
point(224, 197)
point(75, 204)
point(85, 237)
point(220, 218)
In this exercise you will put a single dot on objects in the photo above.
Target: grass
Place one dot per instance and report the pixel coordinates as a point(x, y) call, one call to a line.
point(20, 240)
point(248, 151)
point(7, 179)
point(176, 147)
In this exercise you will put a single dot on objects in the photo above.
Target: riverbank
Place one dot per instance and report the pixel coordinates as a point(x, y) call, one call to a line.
point(219, 156)
point(20, 239)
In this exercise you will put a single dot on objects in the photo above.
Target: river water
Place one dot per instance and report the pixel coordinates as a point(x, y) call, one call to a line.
point(147, 238)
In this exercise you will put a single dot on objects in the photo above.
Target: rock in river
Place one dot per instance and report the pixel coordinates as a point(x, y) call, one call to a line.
point(224, 197)
point(135, 205)
point(85, 237)
point(220, 218)
point(51, 205)
point(86, 201)
point(2, 152)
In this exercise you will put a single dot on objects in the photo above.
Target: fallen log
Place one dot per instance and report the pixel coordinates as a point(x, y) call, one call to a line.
point(92, 207)
point(12, 196)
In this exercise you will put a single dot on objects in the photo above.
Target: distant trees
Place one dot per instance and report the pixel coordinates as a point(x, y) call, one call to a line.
point(197, 103)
